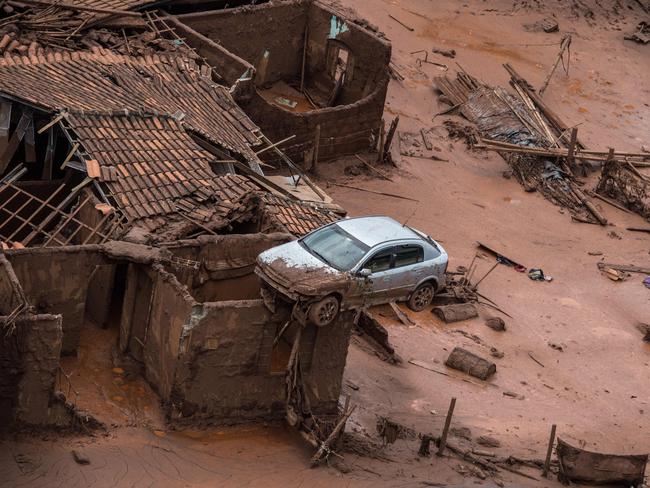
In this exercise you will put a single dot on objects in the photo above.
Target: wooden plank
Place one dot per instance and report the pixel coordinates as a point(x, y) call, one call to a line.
point(401, 315)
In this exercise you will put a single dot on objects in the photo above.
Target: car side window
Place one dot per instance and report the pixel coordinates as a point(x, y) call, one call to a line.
point(408, 254)
point(380, 261)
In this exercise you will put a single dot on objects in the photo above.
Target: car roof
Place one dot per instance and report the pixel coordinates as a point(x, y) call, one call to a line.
point(375, 230)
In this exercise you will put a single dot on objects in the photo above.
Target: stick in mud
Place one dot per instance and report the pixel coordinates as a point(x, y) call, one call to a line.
point(445, 430)
point(549, 451)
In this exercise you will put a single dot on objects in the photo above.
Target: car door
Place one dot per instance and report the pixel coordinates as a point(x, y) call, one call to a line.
point(377, 285)
point(408, 269)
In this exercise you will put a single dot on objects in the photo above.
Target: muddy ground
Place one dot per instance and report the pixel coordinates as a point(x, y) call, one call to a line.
point(592, 384)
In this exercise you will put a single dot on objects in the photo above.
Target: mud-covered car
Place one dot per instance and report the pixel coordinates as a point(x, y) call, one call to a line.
point(353, 263)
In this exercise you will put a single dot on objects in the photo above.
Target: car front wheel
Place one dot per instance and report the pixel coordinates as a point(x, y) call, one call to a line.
point(421, 297)
point(324, 311)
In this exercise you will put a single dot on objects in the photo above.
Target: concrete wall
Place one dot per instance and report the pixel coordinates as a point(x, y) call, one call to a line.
point(29, 359)
point(55, 281)
point(278, 30)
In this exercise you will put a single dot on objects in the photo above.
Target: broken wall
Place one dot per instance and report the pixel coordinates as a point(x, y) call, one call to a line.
point(226, 264)
point(268, 36)
point(228, 370)
point(224, 370)
point(29, 358)
point(55, 281)
point(278, 29)
point(11, 293)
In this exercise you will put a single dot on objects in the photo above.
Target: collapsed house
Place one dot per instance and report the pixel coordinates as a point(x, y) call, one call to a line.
point(133, 198)
point(305, 72)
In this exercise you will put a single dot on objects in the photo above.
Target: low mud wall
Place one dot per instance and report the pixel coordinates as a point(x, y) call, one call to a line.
point(227, 265)
point(29, 359)
point(55, 281)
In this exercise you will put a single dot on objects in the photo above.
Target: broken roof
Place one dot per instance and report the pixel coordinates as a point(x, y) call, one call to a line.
point(102, 81)
point(298, 217)
point(150, 165)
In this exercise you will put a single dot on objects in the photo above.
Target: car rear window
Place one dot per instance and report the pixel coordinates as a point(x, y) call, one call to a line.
point(408, 254)
point(336, 247)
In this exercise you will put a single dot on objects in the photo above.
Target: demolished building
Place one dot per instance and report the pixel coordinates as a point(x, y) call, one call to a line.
point(133, 198)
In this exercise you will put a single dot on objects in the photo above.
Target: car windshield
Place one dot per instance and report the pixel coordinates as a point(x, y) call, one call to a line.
point(335, 247)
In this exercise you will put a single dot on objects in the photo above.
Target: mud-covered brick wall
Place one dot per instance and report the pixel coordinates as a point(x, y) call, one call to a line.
point(227, 264)
point(40, 341)
point(55, 281)
point(325, 376)
point(219, 375)
point(268, 36)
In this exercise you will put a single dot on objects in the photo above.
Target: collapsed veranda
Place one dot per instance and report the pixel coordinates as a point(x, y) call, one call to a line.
point(138, 183)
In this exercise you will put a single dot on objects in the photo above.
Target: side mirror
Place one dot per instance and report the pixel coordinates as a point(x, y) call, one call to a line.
point(364, 273)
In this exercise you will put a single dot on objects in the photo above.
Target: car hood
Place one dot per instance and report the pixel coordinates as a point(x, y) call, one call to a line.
point(295, 268)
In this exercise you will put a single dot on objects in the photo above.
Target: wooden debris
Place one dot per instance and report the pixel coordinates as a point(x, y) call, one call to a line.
point(402, 23)
point(392, 195)
point(564, 46)
point(468, 362)
point(455, 312)
point(628, 268)
point(381, 174)
point(443, 438)
point(389, 137)
point(402, 317)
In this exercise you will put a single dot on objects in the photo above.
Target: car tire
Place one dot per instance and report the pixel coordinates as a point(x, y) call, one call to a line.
point(324, 311)
point(421, 297)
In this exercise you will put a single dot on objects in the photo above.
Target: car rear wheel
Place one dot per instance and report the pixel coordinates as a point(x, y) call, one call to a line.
point(421, 297)
point(324, 311)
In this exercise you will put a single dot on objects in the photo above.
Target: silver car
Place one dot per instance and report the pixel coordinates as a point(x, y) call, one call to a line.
point(354, 263)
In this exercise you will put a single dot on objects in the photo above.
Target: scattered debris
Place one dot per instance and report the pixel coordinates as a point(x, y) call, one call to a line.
point(390, 431)
point(556, 346)
point(455, 312)
point(645, 330)
point(448, 53)
point(579, 465)
point(401, 316)
point(408, 27)
point(370, 327)
point(537, 274)
point(80, 457)
point(487, 441)
point(623, 183)
point(461, 432)
point(495, 353)
point(512, 394)
point(496, 323)
point(546, 24)
point(628, 268)
point(642, 34)
point(534, 359)
point(468, 362)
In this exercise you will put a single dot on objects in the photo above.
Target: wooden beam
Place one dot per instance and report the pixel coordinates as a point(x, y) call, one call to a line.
point(79, 8)
point(16, 137)
point(49, 154)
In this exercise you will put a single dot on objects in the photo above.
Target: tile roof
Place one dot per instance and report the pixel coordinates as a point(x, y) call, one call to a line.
point(103, 81)
point(151, 166)
point(297, 217)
